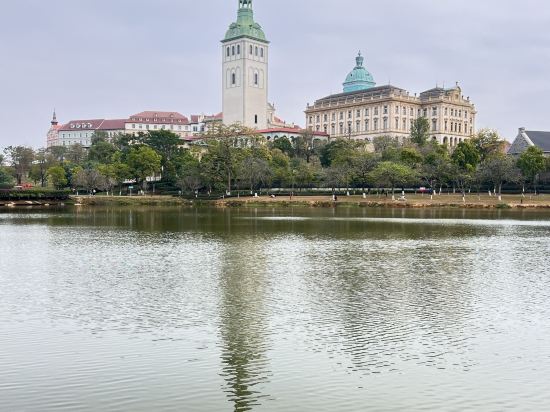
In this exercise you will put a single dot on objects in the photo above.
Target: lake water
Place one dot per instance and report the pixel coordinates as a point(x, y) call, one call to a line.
point(274, 310)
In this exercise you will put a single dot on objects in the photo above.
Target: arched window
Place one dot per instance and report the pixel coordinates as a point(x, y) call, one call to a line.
point(228, 52)
point(233, 50)
point(251, 49)
point(262, 52)
point(256, 51)
point(256, 119)
point(233, 79)
point(238, 49)
point(256, 79)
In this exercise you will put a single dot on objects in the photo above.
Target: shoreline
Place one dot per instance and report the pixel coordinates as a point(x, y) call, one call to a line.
point(452, 201)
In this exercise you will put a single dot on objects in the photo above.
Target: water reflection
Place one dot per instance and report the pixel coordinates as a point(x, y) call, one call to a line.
point(243, 322)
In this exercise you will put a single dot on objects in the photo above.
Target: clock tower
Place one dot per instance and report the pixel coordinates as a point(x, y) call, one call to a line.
point(245, 54)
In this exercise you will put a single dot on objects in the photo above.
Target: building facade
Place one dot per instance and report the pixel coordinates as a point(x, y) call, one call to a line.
point(81, 132)
point(173, 121)
point(364, 111)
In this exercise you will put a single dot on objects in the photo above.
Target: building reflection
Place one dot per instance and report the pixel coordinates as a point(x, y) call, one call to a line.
point(243, 322)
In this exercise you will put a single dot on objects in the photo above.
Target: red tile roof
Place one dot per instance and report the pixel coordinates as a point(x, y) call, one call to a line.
point(93, 124)
point(151, 117)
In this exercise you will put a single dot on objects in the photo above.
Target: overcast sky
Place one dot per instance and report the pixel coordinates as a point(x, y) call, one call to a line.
point(113, 58)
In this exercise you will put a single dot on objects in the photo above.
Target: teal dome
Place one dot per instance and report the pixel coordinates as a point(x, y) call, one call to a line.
point(245, 25)
point(359, 78)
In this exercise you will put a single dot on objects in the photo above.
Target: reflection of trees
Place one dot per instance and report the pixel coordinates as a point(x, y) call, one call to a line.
point(243, 322)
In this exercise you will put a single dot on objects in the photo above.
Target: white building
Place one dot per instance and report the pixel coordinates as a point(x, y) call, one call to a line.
point(81, 131)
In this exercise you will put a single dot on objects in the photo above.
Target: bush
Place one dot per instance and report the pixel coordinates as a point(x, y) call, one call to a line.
point(35, 194)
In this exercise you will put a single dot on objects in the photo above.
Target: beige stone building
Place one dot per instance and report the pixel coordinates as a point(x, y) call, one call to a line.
point(364, 111)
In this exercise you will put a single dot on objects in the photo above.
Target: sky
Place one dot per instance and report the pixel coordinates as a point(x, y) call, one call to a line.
point(93, 59)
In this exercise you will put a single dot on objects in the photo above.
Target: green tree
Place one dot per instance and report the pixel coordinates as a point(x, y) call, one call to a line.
point(20, 159)
point(466, 156)
point(390, 174)
point(338, 151)
point(420, 131)
point(499, 169)
point(488, 143)
point(280, 166)
point(532, 163)
point(6, 180)
point(57, 177)
point(363, 164)
point(76, 154)
point(101, 151)
point(284, 145)
point(143, 162)
point(39, 169)
point(255, 171)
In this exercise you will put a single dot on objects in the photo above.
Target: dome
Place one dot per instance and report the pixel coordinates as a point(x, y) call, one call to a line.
point(359, 78)
point(245, 25)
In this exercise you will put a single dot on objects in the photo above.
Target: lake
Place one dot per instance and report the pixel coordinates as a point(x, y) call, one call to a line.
point(274, 309)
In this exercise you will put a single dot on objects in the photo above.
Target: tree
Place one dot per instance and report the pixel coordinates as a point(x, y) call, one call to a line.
point(363, 164)
point(435, 170)
point(384, 143)
point(411, 157)
point(304, 146)
point(255, 172)
point(420, 131)
point(20, 159)
point(488, 143)
point(89, 179)
point(143, 162)
point(466, 156)
point(532, 163)
point(6, 180)
point(101, 151)
point(76, 154)
point(338, 151)
point(390, 174)
point(39, 169)
point(57, 177)
point(284, 145)
point(499, 169)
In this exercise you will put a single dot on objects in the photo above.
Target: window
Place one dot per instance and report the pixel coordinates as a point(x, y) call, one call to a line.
point(233, 79)
point(325, 118)
point(396, 124)
point(412, 112)
point(366, 112)
point(425, 113)
point(228, 52)
point(341, 115)
point(256, 79)
point(133, 126)
point(385, 123)
point(434, 125)
point(251, 49)
point(256, 119)
point(396, 109)
point(434, 111)
point(376, 111)
point(404, 124)
point(262, 52)
point(375, 124)
point(238, 49)
point(256, 51)
point(349, 114)
point(318, 128)
point(446, 111)
point(333, 117)
point(385, 109)
point(310, 119)
point(233, 50)
point(358, 113)
point(341, 128)
point(366, 125)
point(318, 118)
point(333, 128)
point(446, 125)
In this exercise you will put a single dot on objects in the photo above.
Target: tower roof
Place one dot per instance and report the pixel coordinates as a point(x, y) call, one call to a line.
point(359, 78)
point(245, 26)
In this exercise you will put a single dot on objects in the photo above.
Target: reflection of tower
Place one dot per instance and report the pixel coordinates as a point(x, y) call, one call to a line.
point(245, 71)
point(243, 324)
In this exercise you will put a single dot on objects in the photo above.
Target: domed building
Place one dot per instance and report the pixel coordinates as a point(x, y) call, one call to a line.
point(359, 78)
point(364, 111)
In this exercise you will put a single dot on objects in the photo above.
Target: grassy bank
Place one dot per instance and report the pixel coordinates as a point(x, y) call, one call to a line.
point(412, 201)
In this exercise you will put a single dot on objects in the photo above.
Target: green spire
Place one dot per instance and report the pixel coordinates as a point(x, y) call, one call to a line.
point(245, 25)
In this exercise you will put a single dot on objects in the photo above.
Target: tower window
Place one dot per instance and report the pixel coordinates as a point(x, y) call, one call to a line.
point(238, 49)
point(251, 49)
point(262, 52)
point(256, 119)
point(228, 52)
point(233, 79)
point(233, 50)
point(256, 51)
point(256, 79)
